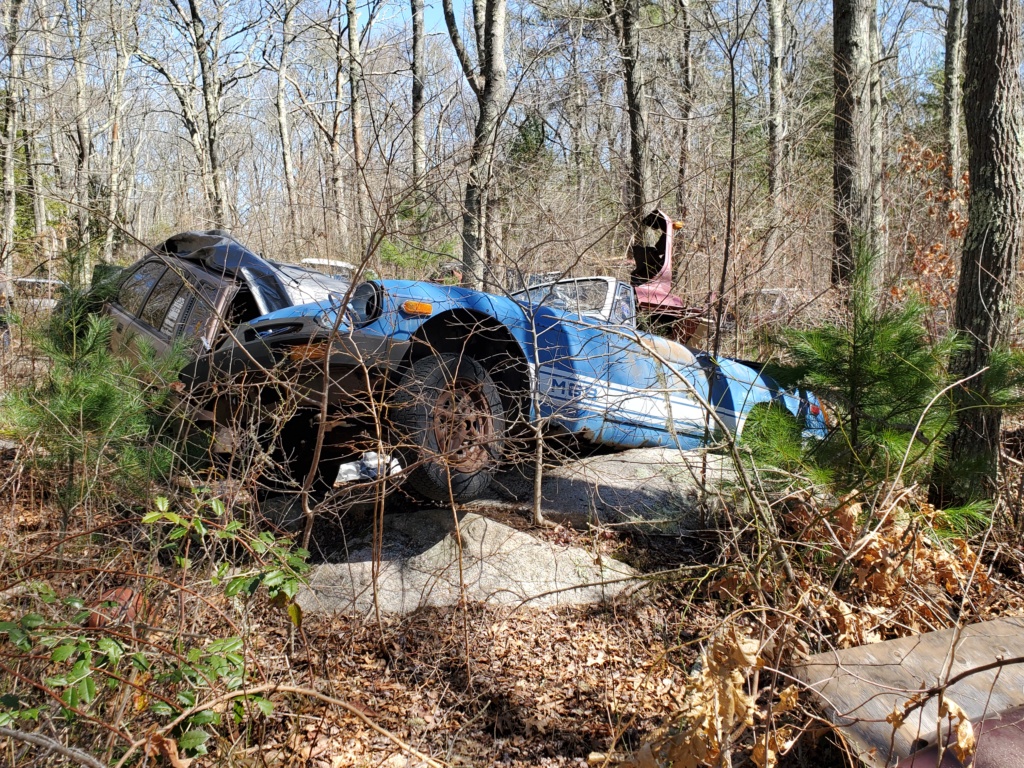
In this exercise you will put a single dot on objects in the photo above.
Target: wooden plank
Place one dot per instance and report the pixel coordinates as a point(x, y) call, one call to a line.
point(861, 686)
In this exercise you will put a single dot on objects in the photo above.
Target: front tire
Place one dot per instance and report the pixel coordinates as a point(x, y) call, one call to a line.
point(451, 423)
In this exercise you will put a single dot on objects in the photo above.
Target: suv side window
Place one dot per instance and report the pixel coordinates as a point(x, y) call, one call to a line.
point(137, 285)
point(160, 299)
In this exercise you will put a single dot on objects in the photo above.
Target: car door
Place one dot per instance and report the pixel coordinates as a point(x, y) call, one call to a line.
point(655, 391)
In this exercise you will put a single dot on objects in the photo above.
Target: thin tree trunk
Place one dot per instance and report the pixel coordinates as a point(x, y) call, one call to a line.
point(419, 136)
point(952, 92)
point(12, 43)
point(876, 220)
point(122, 59)
point(992, 242)
point(341, 222)
point(776, 119)
point(211, 91)
point(685, 108)
point(355, 83)
point(83, 136)
point(283, 122)
point(35, 183)
point(626, 20)
point(852, 21)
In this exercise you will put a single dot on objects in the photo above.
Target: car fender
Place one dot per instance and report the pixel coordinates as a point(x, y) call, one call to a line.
point(736, 388)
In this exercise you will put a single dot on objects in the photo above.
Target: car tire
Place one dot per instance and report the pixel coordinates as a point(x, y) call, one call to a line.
point(450, 422)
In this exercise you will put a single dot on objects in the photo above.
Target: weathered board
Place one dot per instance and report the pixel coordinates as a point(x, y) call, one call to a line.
point(861, 686)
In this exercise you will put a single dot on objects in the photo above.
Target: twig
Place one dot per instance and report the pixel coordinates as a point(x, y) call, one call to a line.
point(52, 745)
point(274, 688)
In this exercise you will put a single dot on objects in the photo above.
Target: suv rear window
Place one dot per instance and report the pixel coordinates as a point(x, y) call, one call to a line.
point(137, 285)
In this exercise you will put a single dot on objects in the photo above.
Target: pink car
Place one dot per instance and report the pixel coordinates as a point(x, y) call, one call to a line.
point(651, 277)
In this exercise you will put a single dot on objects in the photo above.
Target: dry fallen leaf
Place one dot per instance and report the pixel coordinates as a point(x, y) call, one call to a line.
point(896, 717)
point(787, 698)
point(159, 745)
point(965, 743)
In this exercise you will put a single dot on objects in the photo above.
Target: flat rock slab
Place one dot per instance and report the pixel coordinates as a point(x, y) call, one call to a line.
point(648, 488)
point(861, 686)
point(500, 565)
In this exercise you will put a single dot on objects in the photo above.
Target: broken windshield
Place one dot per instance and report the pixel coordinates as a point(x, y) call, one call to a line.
point(587, 296)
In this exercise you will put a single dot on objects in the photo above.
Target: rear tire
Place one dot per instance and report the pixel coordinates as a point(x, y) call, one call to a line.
point(451, 425)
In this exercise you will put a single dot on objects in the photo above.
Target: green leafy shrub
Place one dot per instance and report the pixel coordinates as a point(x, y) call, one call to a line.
point(76, 675)
point(883, 382)
point(92, 417)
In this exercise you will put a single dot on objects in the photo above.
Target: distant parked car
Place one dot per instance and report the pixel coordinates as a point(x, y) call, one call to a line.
point(35, 295)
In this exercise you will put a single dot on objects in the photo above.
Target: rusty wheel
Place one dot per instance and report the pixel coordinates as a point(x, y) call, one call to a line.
point(450, 417)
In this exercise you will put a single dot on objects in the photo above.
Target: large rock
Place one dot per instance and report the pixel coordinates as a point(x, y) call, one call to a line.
point(420, 566)
point(649, 488)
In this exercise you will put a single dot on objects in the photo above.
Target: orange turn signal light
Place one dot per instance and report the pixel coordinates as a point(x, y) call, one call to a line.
point(413, 307)
point(307, 352)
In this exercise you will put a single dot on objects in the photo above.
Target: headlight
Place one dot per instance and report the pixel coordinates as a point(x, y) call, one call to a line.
point(366, 303)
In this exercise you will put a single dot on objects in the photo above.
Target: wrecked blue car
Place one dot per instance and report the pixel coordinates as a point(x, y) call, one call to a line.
point(445, 377)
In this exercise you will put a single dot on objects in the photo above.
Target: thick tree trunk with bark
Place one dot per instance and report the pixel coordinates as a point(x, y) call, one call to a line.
point(992, 242)
point(852, 165)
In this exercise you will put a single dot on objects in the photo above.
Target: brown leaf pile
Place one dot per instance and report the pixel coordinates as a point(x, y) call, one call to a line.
point(542, 687)
point(717, 710)
point(893, 576)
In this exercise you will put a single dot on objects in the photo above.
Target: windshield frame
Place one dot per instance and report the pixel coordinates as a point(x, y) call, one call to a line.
point(543, 292)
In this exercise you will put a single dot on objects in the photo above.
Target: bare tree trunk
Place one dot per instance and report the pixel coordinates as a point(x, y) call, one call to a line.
point(952, 92)
point(489, 87)
point(12, 44)
point(852, 183)
point(341, 222)
point(992, 242)
point(776, 118)
point(355, 84)
point(419, 136)
point(685, 108)
point(876, 219)
point(283, 122)
point(83, 137)
point(211, 90)
point(122, 59)
point(626, 19)
point(190, 120)
point(34, 174)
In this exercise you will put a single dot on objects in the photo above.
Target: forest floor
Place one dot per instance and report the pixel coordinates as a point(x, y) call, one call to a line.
point(476, 684)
